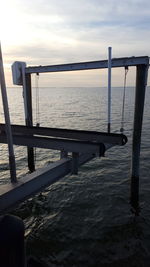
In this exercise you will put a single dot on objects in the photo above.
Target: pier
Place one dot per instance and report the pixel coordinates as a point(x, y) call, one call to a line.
point(76, 146)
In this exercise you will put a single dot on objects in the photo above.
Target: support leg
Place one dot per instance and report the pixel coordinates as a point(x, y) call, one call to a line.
point(75, 162)
point(29, 120)
point(141, 80)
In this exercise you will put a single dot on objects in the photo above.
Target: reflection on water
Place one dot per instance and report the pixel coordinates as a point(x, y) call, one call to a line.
point(85, 220)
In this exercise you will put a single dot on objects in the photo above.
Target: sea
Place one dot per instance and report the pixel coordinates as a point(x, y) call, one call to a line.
point(85, 219)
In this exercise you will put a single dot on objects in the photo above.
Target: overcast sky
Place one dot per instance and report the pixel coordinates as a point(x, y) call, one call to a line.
point(45, 32)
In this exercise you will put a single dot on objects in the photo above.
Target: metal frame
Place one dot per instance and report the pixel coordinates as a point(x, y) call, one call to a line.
point(75, 141)
point(101, 64)
point(116, 62)
point(142, 65)
point(55, 144)
point(92, 136)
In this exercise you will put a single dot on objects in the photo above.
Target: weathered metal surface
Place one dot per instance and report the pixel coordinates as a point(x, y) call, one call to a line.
point(55, 143)
point(27, 91)
point(83, 143)
point(101, 64)
point(75, 163)
point(101, 137)
point(29, 185)
point(141, 82)
point(11, 194)
point(12, 163)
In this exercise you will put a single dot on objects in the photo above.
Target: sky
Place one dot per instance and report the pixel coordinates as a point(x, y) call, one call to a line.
point(45, 32)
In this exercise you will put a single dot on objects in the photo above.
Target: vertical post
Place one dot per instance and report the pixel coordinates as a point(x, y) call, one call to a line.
point(27, 92)
point(12, 163)
point(141, 81)
point(109, 88)
point(75, 162)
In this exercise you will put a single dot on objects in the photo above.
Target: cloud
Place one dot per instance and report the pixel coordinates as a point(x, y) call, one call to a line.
point(46, 32)
point(76, 12)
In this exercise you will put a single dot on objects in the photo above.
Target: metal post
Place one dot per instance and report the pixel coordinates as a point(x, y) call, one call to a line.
point(75, 163)
point(141, 80)
point(28, 114)
point(109, 88)
point(12, 163)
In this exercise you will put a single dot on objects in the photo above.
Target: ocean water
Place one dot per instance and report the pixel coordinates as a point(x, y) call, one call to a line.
point(85, 220)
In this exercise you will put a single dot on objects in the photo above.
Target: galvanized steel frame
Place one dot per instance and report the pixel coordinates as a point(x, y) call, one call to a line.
point(101, 64)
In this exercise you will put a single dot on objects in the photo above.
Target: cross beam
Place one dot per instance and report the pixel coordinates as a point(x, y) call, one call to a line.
point(101, 137)
point(56, 144)
point(101, 64)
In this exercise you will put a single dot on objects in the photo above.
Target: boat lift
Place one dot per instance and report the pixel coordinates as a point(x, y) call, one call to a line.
point(83, 145)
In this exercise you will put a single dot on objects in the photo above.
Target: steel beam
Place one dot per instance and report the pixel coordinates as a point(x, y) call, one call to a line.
point(101, 137)
point(29, 185)
point(56, 144)
point(102, 64)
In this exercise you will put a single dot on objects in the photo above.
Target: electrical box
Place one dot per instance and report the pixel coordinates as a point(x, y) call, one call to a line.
point(17, 69)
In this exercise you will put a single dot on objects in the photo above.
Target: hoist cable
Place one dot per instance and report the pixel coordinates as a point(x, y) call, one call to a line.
point(123, 100)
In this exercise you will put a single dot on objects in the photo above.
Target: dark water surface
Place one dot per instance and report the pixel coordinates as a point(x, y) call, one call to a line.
point(85, 220)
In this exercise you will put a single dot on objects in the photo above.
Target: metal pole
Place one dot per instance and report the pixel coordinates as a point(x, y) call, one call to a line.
point(28, 114)
point(109, 88)
point(141, 81)
point(24, 92)
point(12, 163)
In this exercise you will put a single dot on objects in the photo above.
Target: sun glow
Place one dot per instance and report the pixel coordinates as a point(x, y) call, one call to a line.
point(18, 27)
point(8, 22)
